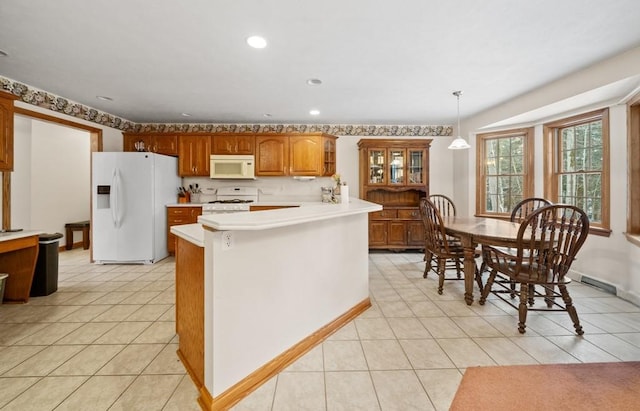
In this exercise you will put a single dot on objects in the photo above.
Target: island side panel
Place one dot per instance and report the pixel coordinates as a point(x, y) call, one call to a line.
point(190, 307)
point(273, 288)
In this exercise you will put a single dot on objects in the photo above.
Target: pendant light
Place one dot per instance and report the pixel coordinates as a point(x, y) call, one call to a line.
point(459, 143)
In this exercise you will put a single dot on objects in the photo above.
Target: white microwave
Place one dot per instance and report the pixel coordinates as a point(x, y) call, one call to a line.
point(232, 166)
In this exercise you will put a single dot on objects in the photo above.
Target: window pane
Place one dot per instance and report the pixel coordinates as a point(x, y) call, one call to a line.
point(567, 161)
point(504, 165)
point(579, 159)
point(594, 185)
point(567, 139)
point(581, 135)
point(491, 148)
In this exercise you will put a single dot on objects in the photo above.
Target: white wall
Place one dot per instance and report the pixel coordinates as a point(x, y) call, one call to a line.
point(611, 259)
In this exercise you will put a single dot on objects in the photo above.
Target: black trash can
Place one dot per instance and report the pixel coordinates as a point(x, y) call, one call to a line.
point(45, 278)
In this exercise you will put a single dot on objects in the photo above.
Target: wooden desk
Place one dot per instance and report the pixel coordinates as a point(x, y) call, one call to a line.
point(477, 230)
point(18, 256)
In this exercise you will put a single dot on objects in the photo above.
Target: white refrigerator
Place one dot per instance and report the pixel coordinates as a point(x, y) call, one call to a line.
point(130, 191)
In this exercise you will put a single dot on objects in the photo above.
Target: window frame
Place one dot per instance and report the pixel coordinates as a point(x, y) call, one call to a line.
point(551, 159)
point(528, 167)
point(633, 182)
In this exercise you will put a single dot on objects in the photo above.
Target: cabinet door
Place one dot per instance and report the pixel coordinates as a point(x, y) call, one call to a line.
point(328, 155)
point(232, 144)
point(223, 144)
point(416, 167)
point(396, 166)
point(6, 134)
point(377, 233)
point(166, 144)
point(130, 140)
point(415, 233)
point(397, 233)
point(245, 144)
point(377, 166)
point(305, 155)
point(272, 155)
point(193, 155)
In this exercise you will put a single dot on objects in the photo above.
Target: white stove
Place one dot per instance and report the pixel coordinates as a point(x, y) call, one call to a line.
point(231, 200)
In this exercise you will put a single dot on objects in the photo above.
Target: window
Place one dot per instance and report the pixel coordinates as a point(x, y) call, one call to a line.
point(505, 171)
point(577, 165)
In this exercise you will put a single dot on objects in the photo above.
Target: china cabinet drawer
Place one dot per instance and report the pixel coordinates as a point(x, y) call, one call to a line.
point(413, 214)
point(384, 214)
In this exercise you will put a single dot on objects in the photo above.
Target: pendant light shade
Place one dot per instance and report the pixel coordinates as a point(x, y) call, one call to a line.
point(459, 143)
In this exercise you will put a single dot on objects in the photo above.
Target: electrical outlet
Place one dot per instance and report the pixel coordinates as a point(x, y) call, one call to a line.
point(227, 240)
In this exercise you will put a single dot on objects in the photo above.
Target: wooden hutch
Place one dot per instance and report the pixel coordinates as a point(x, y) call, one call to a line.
point(395, 174)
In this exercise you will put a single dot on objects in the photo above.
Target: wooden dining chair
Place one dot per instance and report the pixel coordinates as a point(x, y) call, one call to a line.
point(518, 214)
point(447, 208)
point(438, 245)
point(526, 207)
point(547, 243)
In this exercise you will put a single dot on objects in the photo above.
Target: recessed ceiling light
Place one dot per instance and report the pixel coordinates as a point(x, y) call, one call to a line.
point(314, 112)
point(3, 53)
point(104, 98)
point(314, 82)
point(185, 115)
point(257, 42)
point(267, 115)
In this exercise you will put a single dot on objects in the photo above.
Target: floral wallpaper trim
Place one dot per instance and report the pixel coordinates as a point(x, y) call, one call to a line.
point(59, 104)
point(62, 105)
point(335, 129)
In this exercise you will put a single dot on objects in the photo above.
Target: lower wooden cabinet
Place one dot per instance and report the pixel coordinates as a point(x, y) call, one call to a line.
point(179, 216)
point(396, 228)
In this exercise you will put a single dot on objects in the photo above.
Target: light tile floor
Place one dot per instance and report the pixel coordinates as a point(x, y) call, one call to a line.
point(106, 341)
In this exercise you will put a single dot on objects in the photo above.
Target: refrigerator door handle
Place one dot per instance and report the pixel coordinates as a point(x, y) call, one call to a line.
point(114, 197)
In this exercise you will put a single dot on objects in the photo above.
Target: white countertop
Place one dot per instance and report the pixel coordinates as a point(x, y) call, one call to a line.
point(6, 236)
point(190, 232)
point(264, 220)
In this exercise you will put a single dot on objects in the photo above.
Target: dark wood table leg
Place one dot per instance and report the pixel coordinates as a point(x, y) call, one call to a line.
point(469, 267)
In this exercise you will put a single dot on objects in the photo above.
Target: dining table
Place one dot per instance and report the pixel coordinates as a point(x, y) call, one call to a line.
point(479, 230)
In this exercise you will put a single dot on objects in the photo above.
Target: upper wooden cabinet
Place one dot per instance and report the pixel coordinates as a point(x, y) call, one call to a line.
point(328, 155)
point(233, 143)
point(311, 154)
point(154, 143)
point(272, 155)
point(194, 152)
point(6, 131)
point(395, 174)
point(295, 154)
point(305, 155)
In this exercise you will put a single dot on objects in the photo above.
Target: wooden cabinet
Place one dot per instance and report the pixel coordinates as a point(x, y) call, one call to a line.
point(6, 131)
point(395, 174)
point(154, 143)
point(194, 152)
point(179, 216)
point(328, 155)
point(311, 154)
point(233, 143)
point(272, 155)
point(305, 155)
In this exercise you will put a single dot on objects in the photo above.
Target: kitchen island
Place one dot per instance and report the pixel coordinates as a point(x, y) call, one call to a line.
point(276, 283)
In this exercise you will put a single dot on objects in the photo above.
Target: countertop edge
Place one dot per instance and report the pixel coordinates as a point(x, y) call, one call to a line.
point(269, 219)
point(7, 236)
point(193, 233)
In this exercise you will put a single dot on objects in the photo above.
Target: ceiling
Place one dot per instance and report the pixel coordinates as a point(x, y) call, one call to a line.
point(380, 62)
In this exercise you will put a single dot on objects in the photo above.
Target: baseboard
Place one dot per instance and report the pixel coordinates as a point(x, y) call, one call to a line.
point(254, 380)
